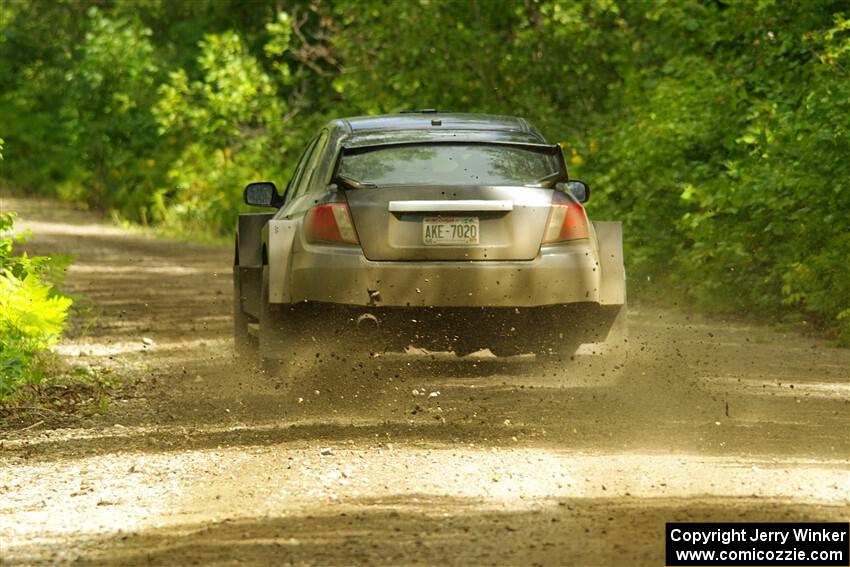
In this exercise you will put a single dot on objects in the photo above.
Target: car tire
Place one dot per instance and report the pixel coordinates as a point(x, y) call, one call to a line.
point(604, 363)
point(615, 356)
point(557, 364)
point(569, 363)
point(273, 338)
point(244, 345)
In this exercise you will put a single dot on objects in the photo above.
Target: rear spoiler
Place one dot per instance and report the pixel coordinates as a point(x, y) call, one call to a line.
point(552, 149)
point(549, 149)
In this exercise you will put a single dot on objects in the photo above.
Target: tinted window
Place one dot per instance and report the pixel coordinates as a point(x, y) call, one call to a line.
point(450, 164)
point(292, 186)
point(312, 164)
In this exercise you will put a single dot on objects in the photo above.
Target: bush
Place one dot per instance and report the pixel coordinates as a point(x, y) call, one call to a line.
point(32, 313)
point(717, 131)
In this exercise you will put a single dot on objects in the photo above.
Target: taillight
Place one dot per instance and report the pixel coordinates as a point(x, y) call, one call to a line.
point(330, 222)
point(567, 221)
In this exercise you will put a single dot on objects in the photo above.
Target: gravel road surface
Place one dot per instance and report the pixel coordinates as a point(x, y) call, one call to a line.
point(404, 459)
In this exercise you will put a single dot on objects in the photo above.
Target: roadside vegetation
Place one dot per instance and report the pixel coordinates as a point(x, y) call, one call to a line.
point(32, 312)
point(719, 132)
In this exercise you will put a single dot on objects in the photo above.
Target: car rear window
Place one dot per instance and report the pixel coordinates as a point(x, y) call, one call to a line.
point(449, 164)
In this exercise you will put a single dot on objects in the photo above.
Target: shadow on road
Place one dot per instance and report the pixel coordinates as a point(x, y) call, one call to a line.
point(424, 529)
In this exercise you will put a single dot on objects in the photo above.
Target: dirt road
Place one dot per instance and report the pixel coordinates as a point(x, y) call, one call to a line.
point(404, 460)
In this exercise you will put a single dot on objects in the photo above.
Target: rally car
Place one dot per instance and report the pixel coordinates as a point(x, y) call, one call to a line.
point(443, 231)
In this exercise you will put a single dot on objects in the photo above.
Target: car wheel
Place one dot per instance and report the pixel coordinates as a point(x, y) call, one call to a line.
point(614, 355)
point(244, 345)
point(556, 364)
point(273, 337)
point(604, 363)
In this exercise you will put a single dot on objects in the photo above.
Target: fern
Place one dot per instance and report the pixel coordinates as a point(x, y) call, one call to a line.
point(32, 313)
point(28, 309)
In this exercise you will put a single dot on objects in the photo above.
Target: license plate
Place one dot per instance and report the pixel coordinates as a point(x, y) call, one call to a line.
point(441, 231)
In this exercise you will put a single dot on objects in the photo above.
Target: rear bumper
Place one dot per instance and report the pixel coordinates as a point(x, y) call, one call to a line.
point(342, 275)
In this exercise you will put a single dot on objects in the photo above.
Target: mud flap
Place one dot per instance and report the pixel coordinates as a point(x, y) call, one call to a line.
point(612, 292)
point(248, 263)
point(612, 284)
point(249, 238)
point(281, 236)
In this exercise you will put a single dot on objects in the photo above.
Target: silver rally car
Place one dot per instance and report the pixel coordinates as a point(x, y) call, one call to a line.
point(444, 231)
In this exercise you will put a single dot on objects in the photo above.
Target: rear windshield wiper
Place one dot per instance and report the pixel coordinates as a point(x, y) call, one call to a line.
point(354, 183)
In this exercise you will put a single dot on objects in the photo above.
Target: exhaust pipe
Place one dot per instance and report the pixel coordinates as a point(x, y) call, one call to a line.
point(367, 322)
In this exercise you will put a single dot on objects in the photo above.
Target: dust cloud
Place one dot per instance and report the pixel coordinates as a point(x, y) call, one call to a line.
point(404, 457)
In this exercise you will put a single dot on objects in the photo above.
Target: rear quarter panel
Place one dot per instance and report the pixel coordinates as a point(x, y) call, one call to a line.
point(281, 235)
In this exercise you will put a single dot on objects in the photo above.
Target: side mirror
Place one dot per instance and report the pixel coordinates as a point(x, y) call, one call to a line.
point(578, 189)
point(262, 194)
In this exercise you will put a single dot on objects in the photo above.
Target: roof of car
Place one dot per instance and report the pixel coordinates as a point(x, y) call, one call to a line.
point(430, 124)
point(434, 119)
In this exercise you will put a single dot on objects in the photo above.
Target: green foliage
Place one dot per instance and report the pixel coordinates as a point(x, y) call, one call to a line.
point(32, 314)
point(718, 131)
point(731, 168)
point(108, 96)
point(232, 125)
point(234, 96)
point(78, 108)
